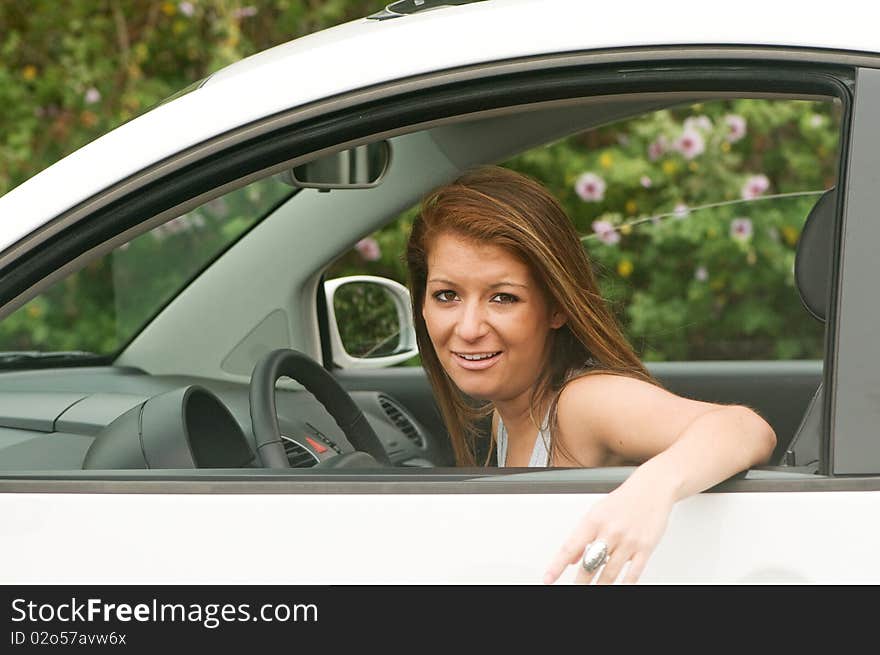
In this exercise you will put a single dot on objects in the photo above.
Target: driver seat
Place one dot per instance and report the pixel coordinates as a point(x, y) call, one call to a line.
point(812, 272)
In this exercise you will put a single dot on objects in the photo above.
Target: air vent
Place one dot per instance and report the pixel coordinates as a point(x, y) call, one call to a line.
point(399, 418)
point(298, 456)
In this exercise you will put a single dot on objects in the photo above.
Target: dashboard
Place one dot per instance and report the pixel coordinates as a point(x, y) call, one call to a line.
point(124, 418)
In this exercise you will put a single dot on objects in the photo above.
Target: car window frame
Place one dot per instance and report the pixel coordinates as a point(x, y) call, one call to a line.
point(131, 212)
point(850, 407)
point(827, 368)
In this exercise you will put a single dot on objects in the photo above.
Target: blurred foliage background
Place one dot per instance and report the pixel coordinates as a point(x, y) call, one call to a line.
point(679, 209)
point(72, 70)
point(691, 217)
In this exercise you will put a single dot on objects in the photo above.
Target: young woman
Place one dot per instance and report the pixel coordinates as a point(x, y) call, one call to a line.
point(510, 322)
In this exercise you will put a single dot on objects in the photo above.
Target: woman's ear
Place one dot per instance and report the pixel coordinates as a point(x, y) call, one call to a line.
point(557, 319)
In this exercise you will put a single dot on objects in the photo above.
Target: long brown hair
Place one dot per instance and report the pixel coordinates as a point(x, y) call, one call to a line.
point(501, 207)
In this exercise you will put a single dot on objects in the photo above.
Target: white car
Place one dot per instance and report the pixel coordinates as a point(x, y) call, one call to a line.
point(207, 233)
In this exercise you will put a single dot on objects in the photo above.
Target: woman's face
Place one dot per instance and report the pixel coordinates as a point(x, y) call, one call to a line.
point(487, 318)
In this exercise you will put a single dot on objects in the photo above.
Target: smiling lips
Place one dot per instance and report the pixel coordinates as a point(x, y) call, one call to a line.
point(476, 361)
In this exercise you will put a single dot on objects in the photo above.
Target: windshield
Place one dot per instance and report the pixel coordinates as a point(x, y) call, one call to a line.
point(100, 308)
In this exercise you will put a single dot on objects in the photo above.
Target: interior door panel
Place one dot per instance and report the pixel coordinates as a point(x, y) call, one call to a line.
point(779, 391)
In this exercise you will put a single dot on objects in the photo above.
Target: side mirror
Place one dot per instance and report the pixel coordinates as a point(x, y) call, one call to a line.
point(361, 167)
point(370, 322)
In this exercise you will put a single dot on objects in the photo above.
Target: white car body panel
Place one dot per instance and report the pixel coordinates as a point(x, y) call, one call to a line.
point(719, 538)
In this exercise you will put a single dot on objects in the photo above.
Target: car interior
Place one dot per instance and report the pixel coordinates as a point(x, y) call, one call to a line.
point(182, 396)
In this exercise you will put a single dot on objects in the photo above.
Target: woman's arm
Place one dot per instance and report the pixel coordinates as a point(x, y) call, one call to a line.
point(713, 447)
point(638, 421)
point(686, 446)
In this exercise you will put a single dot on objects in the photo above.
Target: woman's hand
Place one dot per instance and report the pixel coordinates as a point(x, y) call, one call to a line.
point(630, 520)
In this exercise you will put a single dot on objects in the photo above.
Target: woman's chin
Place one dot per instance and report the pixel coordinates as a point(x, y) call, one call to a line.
point(477, 391)
point(480, 394)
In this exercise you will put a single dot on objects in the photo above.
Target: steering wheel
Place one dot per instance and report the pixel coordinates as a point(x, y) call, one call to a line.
point(335, 399)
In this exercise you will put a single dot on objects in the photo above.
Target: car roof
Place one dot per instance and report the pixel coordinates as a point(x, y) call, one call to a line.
point(368, 52)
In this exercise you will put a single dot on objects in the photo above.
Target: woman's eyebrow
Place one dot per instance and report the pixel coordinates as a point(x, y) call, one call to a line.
point(491, 286)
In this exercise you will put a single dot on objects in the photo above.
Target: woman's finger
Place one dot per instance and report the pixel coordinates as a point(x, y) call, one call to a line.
point(636, 566)
point(613, 565)
point(571, 552)
point(582, 577)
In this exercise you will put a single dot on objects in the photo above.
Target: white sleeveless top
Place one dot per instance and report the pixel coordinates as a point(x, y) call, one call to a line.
point(540, 453)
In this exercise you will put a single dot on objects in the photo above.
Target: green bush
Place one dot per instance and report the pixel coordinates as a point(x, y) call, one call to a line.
point(71, 71)
point(695, 264)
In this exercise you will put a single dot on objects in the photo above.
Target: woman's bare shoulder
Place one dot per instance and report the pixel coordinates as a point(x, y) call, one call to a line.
point(578, 416)
point(628, 416)
point(579, 395)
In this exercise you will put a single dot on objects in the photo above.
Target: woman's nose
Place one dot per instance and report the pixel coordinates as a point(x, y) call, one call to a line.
point(471, 323)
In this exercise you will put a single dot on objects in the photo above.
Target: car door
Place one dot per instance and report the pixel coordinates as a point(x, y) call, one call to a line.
point(460, 525)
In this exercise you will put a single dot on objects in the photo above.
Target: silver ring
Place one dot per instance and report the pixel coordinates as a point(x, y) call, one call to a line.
point(595, 555)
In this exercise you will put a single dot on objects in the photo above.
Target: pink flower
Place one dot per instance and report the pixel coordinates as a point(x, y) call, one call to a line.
point(590, 187)
point(657, 148)
point(646, 181)
point(701, 274)
point(218, 207)
point(369, 249)
point(92, 95)
point(186, 8)
point(172, 227)
point(741, 229)
point(690, 143)
point(698, 123)
point(736, 127)
point(176, 225)
point(245, 12)
point(681, 210)
point(816, 120)
point(755, 186)
point(606, 232)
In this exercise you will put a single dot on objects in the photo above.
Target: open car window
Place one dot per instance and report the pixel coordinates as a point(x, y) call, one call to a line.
point(692, 217)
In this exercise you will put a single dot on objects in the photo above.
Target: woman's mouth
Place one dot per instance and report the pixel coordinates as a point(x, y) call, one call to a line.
point(476, 361)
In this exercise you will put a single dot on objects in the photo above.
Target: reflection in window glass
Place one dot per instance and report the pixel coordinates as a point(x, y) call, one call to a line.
point(367, 320)
point(101, 307)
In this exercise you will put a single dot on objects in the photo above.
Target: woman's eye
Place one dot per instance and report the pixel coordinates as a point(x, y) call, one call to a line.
point(445, 296)
point(504, 298)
